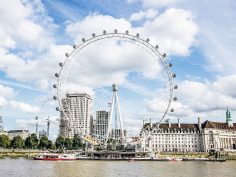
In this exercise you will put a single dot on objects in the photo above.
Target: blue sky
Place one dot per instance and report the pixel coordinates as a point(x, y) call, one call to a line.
point(198, 37)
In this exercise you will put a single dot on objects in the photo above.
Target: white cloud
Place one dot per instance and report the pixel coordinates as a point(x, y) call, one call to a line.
point(3, 102)
point(174, 30)
point(217, 35)
point(149, 14)
point(204, 97)
point(40, 70)
point(226, 85)
point(20, 30)
point(25, 107)
point(6, 91)
point(199, 98)
point(156, 3)
point(6, 96)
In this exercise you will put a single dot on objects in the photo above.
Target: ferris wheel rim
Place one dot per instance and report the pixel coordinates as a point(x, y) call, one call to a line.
point(120, 35)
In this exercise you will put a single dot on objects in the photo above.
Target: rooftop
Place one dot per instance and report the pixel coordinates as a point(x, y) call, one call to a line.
point(206, 124)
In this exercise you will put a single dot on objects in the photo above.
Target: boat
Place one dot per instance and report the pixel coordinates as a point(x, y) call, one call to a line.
point(55, 157)
point(205, 159)
point(131, 160)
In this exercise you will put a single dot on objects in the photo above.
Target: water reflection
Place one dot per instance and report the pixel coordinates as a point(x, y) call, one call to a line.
point(28, 168)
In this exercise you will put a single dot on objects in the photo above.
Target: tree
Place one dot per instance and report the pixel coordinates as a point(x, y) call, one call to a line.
point(28, 142)
point(4, 141)
point(34, 140)
point(68, 143)
point(17, 142)
point(60, 142)
point(76, 142)
point(50, 145)
point(43, 142)
point(31, 141)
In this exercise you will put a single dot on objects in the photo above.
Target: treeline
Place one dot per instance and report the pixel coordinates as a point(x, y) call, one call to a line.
point(32, 142)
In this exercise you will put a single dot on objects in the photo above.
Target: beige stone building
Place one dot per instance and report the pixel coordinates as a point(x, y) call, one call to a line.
point(202, 136)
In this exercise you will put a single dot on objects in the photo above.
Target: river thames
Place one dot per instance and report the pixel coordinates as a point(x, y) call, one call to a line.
point(30, 168)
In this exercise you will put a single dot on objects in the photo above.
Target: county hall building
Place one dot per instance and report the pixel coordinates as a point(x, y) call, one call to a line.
point(199, 137)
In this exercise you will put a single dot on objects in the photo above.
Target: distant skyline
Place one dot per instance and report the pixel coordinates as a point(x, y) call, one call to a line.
point(198, 37)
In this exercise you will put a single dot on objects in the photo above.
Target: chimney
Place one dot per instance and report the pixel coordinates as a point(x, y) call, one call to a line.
point(178, 123)
point(199, 123)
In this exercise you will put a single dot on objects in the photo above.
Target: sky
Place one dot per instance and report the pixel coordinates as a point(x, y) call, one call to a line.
point(197, 36)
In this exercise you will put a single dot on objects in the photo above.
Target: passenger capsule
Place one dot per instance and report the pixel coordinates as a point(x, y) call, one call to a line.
point(137, 35)
point(172, 110)
point(147, 40)
point(174, 75)
point(175, 98)
point(61, 64)
point(55, 97)
point(93, 34)
point(56, 75)
point(54, 85)
point(126, 32)
point(115, 31)
point(176, 87)
point(57, 108)
point(74, 46)
point(83, 40)
point(67, 55)
point(164, 55)
point(170, 65)
point(104, 32)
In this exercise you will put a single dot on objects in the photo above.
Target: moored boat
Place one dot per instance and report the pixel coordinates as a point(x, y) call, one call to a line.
point(205, 159)
point(55, 157)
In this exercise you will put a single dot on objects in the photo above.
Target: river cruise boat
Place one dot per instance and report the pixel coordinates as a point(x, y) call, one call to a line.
point(56, 157)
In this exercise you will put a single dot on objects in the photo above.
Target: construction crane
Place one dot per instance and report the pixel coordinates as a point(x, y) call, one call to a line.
point(48, 125)
point(37, 124)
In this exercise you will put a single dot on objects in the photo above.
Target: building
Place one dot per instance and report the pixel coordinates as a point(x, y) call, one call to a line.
point(199, 137)
point(78, 108)
point(101, 125)
point(22, 133)
point(117, 134)
point(42, 133)
point(219, 136)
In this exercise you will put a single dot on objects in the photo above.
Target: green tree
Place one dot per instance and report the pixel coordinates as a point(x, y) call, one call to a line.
point(17, 142)
point(50, 145)
point(4, 141)
point(34, 140)
point(28, 142)
point(76, 142)
point(68, 143)
point(60, 142)
point(31, 141)
point(43, 142)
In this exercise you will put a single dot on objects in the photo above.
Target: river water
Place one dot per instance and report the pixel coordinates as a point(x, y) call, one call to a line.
point(30, 168)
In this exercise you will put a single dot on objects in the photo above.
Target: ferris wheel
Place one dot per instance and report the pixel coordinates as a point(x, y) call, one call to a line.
point(152, 50)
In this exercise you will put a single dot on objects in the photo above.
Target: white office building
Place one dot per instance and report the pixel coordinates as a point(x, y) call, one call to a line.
point(77, 115)
point(199, 137)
